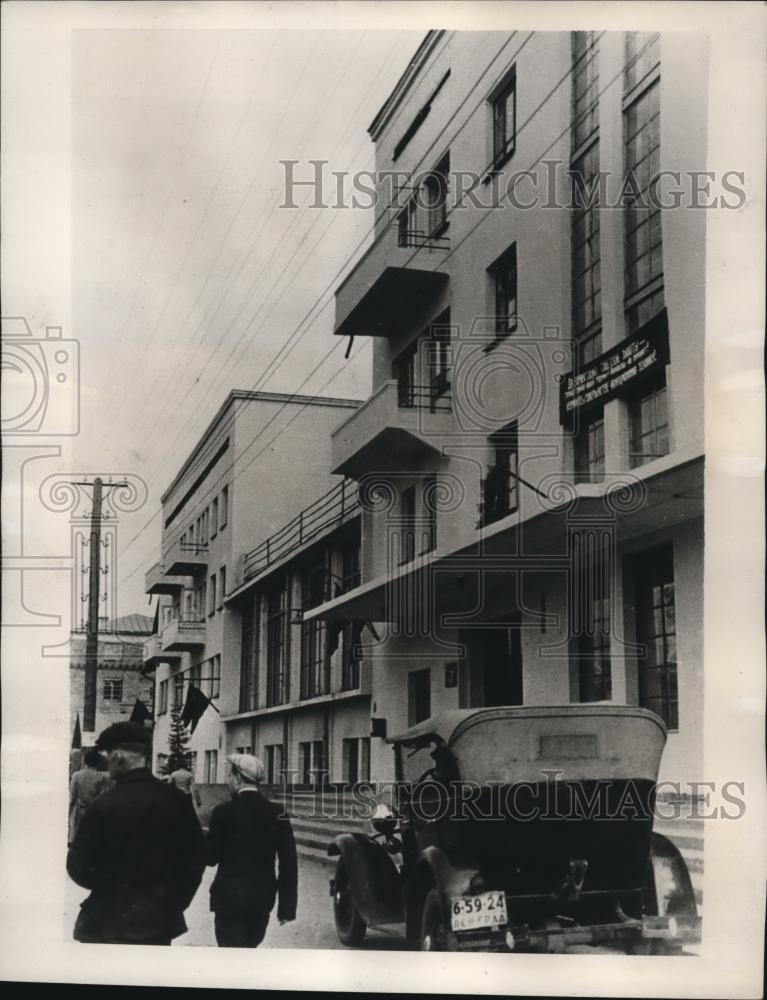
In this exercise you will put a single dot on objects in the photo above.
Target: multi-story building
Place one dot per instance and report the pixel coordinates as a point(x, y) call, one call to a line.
point(255, 465)
point(531, 458)
point(120, 680)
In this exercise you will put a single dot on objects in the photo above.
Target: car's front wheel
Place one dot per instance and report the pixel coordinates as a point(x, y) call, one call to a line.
point(435, 928)
point(350, 926)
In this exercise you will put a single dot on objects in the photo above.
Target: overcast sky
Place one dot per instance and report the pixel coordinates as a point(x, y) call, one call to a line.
point(188, 279)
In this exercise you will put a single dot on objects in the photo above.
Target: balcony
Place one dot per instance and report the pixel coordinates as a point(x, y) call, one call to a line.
point(187, 558)
point(153, 652)
point(395, 429)
point(401, 273)
point(183, 634)
point(332, 509)
point(157, 581)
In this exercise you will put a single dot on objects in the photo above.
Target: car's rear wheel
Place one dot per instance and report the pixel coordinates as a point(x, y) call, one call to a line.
point(350, 926)
point(435, 929)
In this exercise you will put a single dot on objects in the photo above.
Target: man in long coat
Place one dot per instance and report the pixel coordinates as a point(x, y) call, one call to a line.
point(245, 838)
point(139, 850)
point(84, 788)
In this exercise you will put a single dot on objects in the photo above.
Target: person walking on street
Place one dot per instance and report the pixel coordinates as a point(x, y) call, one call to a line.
point(84, 788)
point(139, 849)
point(183, 779)
point(244, 838)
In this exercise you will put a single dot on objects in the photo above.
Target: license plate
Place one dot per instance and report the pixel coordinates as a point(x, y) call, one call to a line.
point(487, 909)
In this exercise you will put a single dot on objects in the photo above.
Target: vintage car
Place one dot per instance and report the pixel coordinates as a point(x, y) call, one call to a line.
point(520, 829)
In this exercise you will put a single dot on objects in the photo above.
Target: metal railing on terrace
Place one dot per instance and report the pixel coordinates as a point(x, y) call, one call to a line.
point(332, 509)
point(433, 397)
point(184, 619)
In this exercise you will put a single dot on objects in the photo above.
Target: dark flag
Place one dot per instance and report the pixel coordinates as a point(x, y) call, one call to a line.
point(77, 736)
point(194, 707)
point(140, 713)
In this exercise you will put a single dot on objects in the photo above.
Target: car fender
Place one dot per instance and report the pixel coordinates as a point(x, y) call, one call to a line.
point(435, 871)
point(668, 886)
point(375, 881)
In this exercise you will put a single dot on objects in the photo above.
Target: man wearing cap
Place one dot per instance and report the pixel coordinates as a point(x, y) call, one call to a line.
point(139, 850)
point(245, 837)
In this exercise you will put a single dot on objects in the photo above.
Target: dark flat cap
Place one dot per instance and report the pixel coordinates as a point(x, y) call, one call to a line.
point(121, 734)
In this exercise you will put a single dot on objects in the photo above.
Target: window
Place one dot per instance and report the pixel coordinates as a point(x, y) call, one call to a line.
point(204, 527)
point(648, 421)
point(278, 643)
point(351, 636)
point(315, 661)
point(590, 450)
point(641, 125)
point(274, 764)
point(356, 760)
point(221, 587)
point(505, 119)
point(418, 695)
point(162, 698)
point(592, 608)
point(407, 225)
point(250, 654)
point(407, 524)
point(211, 766)
point(586, 280)
point(436, 186)
point(430, 494)
point(656, 633)
point(113, 690)
point(195, 675)
point(585, 86)
point(178, 690)
point(404, 371)
point(212, 594)
point(504, 277)
point(198, 598)
point(214, 518)
point(350, 564)
point(210, 683)
point(500, 488)
point(191, 762)
point(439, 357)
point(223, 510)
point(312, 769)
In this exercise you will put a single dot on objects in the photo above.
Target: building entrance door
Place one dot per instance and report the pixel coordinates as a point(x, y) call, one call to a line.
point(493, 667)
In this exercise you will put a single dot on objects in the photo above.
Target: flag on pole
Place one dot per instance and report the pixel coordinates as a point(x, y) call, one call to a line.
point(194, 707)
point(77, 736)
point(140, 713)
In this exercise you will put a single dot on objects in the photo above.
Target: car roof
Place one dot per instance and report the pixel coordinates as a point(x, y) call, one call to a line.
point(447, 725)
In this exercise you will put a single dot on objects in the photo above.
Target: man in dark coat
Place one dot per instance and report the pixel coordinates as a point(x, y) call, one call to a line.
point(245, 836)
point(139, 849)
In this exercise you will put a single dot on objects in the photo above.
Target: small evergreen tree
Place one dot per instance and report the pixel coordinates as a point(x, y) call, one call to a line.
point(178, 738)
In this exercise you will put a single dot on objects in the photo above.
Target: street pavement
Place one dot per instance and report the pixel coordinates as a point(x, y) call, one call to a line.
point(312, 928)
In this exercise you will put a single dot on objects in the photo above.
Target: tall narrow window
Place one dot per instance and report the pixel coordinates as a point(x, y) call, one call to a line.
point(648, 419)
point(404, 371)
point(278, 643)
point(656, 633)
point(584, 173)
point(214, 518)
point(500, 488)
point(178, 690)
point(221, 586)
point(315, 661)
point(351, 637)
point(505, 119)
point(212, 594)
point(249, 663)
point(419, 695)
point(641, 126)
point(211, 766)
point(503, 273)
point(436, 185)
point(350, 564)
point(223, 512)
point(590, 450)
point(274, 764)
point(439, 358)
point(430, 494)
point(162, 707)
point(592, 610)
point(407, 524)
point(407, 225)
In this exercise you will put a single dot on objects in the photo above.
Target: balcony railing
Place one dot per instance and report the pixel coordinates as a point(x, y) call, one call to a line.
point(333, 508)
point(185, 557)
point(184, 619)
point(434, 397)
point(417, 238)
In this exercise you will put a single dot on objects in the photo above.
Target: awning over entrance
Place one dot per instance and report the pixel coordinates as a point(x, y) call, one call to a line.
point(453, 584)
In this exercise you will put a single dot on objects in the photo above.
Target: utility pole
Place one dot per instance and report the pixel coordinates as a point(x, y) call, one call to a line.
point(94, 580)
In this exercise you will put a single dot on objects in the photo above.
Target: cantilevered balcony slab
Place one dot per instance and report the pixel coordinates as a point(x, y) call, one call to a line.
point(185, 634)
point(154, 653)
point(187, 559)
point(390, 284)
point(384, 436)
point(157, 581)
